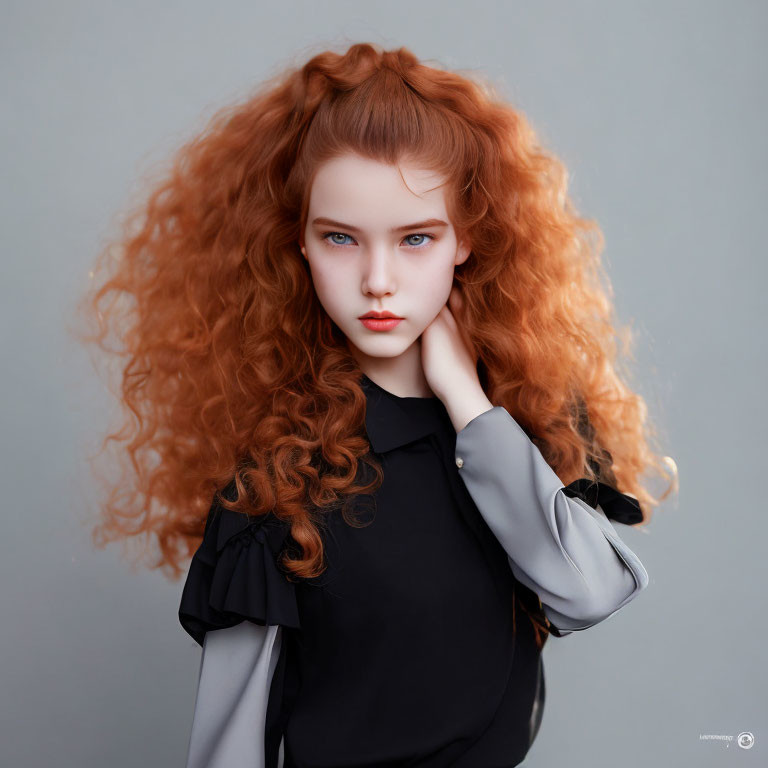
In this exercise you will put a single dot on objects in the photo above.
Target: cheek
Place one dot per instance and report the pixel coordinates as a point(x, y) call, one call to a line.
point(435, 287)
point(320, 276)
point(329, 284)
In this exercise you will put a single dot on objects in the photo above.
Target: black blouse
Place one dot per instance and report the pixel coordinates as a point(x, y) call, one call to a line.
point(411, 649)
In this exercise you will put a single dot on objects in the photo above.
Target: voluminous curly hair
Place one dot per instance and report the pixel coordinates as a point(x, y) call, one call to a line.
point(232, 369)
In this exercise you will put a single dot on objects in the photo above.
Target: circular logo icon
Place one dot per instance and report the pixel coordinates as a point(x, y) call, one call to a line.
point(745, 740)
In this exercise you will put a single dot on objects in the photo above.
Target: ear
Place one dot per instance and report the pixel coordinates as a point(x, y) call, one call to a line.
point(303, 250)
point(462, 252)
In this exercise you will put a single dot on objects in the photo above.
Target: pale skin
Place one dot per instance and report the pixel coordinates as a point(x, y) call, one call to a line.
point(370, 259)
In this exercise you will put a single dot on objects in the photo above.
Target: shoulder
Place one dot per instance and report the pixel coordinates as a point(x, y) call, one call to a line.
point(235, 576)
point(226, 528)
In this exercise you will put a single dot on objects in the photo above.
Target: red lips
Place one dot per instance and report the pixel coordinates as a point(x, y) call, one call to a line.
point(379, 315)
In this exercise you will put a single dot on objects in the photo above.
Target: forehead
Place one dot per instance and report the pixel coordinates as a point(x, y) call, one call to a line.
point(372, 191)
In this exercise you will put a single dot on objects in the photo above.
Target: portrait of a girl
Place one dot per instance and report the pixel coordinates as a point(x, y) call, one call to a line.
point(377, 417)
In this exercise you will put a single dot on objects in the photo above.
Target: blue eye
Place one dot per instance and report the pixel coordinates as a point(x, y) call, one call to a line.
point(335, 234)
point(326, 235)
point(419, 235)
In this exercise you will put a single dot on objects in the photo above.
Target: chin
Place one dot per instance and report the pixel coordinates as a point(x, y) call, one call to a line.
point(382, 347)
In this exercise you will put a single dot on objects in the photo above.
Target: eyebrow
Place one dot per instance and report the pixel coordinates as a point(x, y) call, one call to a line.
point(416, 225)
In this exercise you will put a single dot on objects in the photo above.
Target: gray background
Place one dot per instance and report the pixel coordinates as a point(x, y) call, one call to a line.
point(657, 108)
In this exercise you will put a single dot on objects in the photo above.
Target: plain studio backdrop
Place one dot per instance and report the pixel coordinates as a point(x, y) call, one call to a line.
point(658, 109)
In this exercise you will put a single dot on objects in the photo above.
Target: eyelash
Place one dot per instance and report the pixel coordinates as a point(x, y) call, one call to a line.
point(325, 235)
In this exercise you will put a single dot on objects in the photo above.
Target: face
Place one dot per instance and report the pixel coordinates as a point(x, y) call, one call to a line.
point(374, 245)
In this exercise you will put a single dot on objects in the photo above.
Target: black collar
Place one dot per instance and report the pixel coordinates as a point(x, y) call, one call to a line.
point(393, 421)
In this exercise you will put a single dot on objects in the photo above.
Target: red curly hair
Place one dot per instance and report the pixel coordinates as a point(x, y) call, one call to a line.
point(230, 366)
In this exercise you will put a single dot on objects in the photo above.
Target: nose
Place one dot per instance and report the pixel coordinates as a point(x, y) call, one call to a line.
point(379, 272)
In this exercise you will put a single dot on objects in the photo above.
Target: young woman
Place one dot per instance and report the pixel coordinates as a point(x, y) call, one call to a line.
point(373, 387)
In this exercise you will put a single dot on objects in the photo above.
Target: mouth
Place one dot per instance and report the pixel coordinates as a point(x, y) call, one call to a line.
point(380, 315)
point(380, 321)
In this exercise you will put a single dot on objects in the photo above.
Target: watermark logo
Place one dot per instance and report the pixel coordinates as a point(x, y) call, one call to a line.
point(745, 739)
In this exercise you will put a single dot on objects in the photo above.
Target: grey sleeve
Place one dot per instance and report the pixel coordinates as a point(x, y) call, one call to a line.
point(568, 553)
point(236, 670)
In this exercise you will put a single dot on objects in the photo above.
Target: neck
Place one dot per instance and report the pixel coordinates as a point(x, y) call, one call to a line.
point(402, 375)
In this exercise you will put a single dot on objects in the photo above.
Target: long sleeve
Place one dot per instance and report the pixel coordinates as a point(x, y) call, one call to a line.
point(564, 550)
point(236, 670)
point(235, 604)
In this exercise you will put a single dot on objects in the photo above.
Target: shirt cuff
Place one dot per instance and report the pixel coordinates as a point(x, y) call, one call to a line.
point(564, 550)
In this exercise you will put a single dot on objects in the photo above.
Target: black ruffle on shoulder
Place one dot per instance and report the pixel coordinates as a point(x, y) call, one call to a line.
point(617, 506)
point(234, 575)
